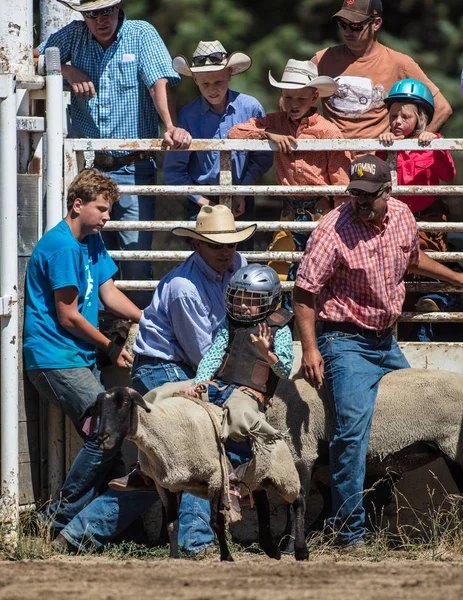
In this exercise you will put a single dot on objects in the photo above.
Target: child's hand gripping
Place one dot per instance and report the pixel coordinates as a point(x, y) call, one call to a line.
point(263, 341)
point(284, 143)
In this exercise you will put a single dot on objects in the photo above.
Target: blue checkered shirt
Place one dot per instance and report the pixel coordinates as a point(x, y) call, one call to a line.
point(122, 75)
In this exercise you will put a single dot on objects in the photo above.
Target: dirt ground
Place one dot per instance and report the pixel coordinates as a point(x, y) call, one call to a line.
point(249, 577)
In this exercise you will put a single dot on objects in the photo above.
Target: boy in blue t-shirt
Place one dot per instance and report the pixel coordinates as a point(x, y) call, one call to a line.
point(68, 272)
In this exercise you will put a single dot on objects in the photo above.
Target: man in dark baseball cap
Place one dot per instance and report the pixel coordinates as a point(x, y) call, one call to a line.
point(356, 11)
point(370, 186)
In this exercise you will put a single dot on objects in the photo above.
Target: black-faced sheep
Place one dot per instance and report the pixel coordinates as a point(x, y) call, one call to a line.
point(180, 449)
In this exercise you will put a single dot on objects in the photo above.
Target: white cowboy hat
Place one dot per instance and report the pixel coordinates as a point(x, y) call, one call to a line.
point(238, 62)
point(216, 224)
point(300, 74)
point(85, 5)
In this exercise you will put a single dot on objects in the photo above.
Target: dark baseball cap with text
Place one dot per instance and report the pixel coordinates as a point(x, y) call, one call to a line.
point(368, 173)
point(357, 11)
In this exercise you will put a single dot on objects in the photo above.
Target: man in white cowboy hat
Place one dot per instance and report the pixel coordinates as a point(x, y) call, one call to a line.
point(365, 71)
point(120, 72)
point(211, 115)
point(300, 87)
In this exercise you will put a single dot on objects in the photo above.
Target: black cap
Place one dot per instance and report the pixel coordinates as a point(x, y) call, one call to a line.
point(368, 173)
point(357, 11)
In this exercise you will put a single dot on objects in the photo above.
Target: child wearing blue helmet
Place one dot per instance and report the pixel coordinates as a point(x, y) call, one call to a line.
point(411, 108)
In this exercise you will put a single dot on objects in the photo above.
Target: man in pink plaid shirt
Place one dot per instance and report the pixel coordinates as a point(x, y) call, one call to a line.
point(349, 292)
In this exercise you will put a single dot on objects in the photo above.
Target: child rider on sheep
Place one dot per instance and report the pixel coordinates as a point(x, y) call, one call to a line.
point(252, 350)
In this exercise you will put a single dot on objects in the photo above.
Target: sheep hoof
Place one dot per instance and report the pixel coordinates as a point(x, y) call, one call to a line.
point(227, 558)
point(301, 553)
point(273, 552)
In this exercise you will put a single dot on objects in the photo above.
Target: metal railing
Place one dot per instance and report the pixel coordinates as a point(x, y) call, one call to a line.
point(226, 191)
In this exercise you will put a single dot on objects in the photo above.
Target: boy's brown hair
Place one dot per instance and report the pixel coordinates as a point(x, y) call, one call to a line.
point(88, 185)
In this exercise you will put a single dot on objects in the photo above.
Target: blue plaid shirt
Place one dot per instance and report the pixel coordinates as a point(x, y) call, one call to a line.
point(123, 107)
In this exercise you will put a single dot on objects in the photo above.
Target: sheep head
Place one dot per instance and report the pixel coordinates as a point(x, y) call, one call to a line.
point(115, 409)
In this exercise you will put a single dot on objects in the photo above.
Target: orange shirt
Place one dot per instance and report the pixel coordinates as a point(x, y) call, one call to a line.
point(304, 167)
point(358, 107)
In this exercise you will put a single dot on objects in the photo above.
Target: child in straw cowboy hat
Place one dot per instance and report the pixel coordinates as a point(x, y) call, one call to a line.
point(211, 115)
point(300, 88)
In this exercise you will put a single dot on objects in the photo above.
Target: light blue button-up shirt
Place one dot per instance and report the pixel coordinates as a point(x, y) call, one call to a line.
point(187, 309)
point(122, 75)
point(203, 122)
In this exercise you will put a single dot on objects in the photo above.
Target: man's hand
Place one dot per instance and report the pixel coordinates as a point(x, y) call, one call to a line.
point(81, 84)
point(238, 206)
point(263, 340)
point(192, 391)
point(121, 358)
point(313, 367)
point(285, 143)
point(176, 138)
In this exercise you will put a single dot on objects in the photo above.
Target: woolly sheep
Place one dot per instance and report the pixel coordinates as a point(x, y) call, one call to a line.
point(180, 451)
point(418, 417)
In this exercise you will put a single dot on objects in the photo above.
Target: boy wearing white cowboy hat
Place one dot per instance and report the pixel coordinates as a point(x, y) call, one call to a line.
point(120, 72)
point(300, 87)
point(211, 115)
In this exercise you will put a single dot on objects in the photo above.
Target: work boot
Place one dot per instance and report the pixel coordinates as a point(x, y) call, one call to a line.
point(61, 545)
point(135, 480)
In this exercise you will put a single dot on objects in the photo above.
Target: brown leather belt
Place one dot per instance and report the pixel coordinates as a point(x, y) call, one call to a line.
point(108, 162)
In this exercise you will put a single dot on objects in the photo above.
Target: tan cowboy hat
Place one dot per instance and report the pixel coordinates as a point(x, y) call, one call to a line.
point(238, 62)
point(300, 74)
point(85, 5)
point(216, 224)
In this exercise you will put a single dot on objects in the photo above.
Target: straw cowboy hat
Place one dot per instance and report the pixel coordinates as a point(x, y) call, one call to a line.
point(300, 74)
point(216, 224)
point(212, 56)
point(84, 5)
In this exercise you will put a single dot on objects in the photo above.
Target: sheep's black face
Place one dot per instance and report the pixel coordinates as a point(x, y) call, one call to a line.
point(114, 409)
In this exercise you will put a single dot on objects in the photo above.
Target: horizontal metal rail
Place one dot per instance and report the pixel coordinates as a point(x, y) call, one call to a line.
point(261, 225)
point(181, 255)
point(103, 145)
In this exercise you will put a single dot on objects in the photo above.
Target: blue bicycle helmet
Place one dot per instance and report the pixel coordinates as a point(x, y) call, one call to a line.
point(413, 91)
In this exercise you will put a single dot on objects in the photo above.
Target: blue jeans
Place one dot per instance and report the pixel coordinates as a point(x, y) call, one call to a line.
point(73, 390)
point(300, 239)
point(354, 365)
point(134, 208)
point(195, 531)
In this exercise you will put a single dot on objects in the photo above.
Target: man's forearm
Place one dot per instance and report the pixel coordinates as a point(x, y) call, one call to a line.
point(304, 309)
point(442, 112)
point(163, 99)
point(435, 270)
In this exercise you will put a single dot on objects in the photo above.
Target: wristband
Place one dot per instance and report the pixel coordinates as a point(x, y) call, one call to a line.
point(111, 350)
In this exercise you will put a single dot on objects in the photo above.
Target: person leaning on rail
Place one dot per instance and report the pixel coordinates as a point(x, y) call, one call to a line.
point(120, 73)
point(365, 71)
point(211, 115)
point(349, 293)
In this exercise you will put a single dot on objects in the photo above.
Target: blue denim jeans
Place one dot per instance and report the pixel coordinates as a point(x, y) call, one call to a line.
point(300, 239)
point(354, 365)
point(73, 390)
point(134, 208)
point(195, 531)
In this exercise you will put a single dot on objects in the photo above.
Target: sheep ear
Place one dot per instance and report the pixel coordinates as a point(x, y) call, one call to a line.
point(138, 400)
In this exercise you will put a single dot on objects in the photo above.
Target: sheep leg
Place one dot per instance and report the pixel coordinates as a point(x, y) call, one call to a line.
point(301, 552)
point(263, 518)
point(218, 525)
point(170, 501)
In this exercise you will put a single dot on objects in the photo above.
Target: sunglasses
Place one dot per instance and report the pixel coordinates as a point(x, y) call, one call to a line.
point(354, 26)
point(220, 246)
point(368, 196)
point(215, 59)
point(104, 12)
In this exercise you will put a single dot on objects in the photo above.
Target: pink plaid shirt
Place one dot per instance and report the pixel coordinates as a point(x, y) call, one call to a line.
point(357, 269)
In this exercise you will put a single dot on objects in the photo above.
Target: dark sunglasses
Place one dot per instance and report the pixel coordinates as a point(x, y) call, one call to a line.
point(354, 26)
point(215, 59)
point(104, 12)
point(368, 196)
point(213, 246)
